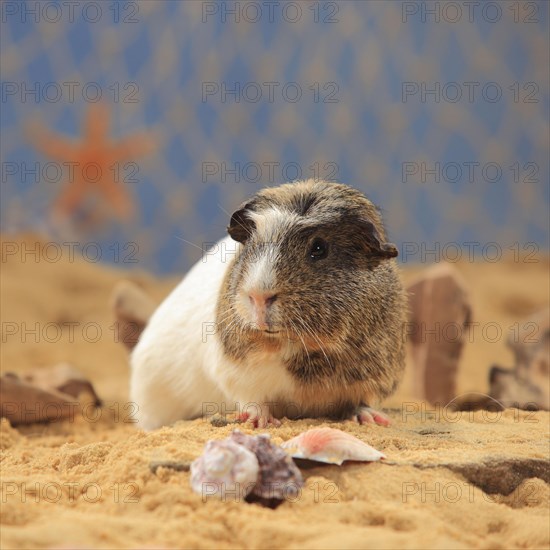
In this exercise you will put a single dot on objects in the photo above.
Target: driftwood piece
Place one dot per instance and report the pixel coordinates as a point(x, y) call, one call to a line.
point(439, 314)
point(44, 395)
point(132, 308)
point(527, 384)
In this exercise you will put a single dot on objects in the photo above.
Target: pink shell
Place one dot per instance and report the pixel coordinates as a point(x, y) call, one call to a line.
point(331, 446)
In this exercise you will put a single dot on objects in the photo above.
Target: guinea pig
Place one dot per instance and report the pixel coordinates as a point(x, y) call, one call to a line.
point(297, 313)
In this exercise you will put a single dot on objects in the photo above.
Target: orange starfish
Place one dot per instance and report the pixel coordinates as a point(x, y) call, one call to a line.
point(95, 162)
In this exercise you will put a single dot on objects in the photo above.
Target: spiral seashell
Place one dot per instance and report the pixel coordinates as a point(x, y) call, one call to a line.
point(224, 469)
point(278, 477)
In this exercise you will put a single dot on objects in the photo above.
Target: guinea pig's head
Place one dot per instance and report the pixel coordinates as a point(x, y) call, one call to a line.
point(309, 255)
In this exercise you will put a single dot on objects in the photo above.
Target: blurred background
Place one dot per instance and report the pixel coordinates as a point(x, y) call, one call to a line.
point(142, 125)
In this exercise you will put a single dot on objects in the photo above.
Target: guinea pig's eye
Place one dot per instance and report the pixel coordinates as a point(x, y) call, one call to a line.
point(319, 249)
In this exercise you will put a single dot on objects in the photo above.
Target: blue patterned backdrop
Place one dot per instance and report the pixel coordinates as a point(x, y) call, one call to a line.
point(238, 95)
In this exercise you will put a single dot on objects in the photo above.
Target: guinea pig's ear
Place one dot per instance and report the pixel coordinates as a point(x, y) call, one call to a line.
point(241, 226)
point(375, 245)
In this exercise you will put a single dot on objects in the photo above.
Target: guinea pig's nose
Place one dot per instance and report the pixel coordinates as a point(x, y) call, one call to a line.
point(261, 300)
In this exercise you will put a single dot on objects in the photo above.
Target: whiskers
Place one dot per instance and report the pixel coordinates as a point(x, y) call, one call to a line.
point(229, 324)
point(310, 332)
point(297, 332)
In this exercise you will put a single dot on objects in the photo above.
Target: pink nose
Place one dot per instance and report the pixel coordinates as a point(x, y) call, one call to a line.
point(261, 300)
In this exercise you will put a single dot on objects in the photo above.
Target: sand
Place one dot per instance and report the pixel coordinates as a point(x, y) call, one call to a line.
point(468, 480)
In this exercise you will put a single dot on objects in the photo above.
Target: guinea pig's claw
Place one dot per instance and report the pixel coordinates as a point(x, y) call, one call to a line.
point(265, 421)
point(367, 415)
point(260, 421)
point(243, 417)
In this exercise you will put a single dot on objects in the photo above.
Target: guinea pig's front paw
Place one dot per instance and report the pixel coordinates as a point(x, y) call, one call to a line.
point(368, 415)
point(261, 421)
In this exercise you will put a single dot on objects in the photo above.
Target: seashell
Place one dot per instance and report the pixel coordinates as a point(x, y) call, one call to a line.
point(224, 467)
point(279, 478)
point(331, 446)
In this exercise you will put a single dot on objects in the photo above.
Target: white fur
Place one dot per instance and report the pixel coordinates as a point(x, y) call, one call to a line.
point(179, 370)
point(259, 275)
point(169, 380)
point(268, 221)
